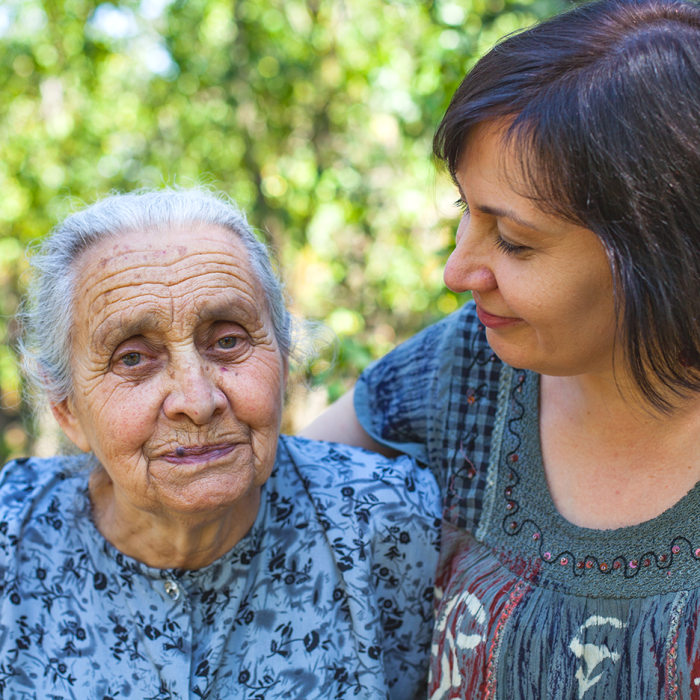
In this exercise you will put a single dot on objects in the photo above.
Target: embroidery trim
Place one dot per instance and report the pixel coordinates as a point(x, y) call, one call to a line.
point(578, 564)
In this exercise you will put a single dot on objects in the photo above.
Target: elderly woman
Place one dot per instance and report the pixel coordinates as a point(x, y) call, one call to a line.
point(561, 408)
point(193, 552)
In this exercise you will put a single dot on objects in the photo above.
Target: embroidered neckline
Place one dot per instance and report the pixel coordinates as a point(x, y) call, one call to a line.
point(528, 514)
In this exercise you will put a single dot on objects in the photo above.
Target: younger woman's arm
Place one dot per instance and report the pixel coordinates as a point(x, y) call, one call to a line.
point(338, 423)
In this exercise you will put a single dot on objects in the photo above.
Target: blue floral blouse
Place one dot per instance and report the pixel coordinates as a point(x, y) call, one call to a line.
point(328, 596)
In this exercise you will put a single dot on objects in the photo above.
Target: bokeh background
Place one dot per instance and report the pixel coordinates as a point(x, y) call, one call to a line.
point(315, 115)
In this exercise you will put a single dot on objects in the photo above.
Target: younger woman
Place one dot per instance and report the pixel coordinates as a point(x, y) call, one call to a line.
point(560, 409)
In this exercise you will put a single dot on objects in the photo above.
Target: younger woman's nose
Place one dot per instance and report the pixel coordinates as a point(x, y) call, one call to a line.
point(469, 268)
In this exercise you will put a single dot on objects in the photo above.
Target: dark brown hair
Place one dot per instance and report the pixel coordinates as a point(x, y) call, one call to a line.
point(604, 103)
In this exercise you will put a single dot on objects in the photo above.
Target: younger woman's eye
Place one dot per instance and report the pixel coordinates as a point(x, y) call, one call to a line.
point(131, 359)
point(227, 343)
point(461, 204)
point(510, 248)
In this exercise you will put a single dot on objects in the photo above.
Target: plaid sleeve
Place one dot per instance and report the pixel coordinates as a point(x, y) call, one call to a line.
point(392, 396)
point(435, 398)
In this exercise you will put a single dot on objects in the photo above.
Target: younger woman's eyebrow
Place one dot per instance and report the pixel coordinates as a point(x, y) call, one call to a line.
point(507, 214)
point(500, 212)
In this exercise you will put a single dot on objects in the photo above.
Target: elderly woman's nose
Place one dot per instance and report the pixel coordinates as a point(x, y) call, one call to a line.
point(469, 268)
point(194, 393)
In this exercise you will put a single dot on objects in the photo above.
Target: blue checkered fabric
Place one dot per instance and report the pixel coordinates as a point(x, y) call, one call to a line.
point(434, 397)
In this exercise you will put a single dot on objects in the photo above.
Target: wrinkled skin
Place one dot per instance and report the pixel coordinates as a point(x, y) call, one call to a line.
point(178, 391)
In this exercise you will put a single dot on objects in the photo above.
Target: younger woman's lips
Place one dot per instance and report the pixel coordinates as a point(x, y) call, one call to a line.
point(198, 454)
point(496, 322)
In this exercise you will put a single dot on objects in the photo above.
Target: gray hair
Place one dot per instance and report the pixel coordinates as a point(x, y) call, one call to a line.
point(47, 314)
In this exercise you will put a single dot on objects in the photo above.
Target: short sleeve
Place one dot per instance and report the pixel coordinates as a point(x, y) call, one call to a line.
point(393, 395)
point(435, 398)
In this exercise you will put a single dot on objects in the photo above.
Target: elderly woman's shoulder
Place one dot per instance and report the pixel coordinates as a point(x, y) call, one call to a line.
point(32, 488)
point(362, 484)
point(36, 473)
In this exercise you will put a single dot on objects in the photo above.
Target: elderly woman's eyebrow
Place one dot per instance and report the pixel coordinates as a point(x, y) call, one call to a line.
point(234, 309)
point(112, 332)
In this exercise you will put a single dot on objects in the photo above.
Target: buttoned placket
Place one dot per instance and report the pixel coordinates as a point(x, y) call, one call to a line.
point(177, 642)
point(172, 589)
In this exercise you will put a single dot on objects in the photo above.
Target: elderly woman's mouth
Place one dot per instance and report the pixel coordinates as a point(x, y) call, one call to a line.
point(199, 453)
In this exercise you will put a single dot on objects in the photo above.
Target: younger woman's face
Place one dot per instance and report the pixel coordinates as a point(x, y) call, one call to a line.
point(542, 286)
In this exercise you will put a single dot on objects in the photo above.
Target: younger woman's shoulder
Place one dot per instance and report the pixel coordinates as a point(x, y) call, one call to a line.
point(461, 331)
point(465, 324)
point(405, 399)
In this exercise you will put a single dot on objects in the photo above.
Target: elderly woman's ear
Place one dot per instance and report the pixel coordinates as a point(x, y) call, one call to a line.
point(64, 413)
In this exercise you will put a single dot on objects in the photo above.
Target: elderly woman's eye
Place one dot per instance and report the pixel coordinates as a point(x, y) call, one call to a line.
point(227, 343)
point(131, 359)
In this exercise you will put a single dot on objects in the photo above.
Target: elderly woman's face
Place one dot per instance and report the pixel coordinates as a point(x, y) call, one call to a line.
point(178, 377)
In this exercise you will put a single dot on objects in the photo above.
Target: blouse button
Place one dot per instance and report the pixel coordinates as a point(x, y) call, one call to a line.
point(172, 589)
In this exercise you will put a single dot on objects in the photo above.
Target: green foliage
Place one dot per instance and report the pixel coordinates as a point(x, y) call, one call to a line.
point(316, 116)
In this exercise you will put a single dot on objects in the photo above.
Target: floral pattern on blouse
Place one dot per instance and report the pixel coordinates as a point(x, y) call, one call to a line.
point(328, 596)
